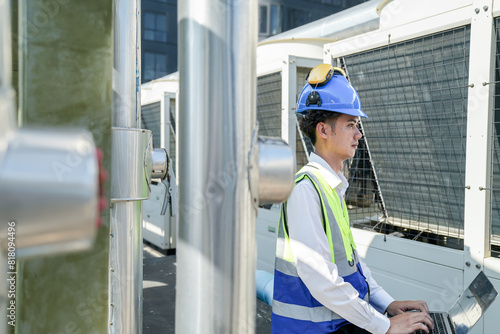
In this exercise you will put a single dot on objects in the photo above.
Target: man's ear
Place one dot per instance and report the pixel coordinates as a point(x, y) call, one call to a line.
point(321, 130)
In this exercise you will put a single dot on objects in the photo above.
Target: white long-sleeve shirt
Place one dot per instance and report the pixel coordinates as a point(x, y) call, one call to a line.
point(309, 245)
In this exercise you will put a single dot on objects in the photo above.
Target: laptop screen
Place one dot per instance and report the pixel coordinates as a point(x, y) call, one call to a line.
point(472, 304)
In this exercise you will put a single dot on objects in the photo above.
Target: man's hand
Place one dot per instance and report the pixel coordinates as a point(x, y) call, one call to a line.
point(407, 323)
point(399, 307)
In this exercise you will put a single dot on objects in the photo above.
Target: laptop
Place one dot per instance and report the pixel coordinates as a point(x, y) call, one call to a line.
point(467, 310)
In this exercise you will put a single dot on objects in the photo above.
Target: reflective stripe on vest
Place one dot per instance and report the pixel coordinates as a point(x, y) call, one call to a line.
point(293, 305)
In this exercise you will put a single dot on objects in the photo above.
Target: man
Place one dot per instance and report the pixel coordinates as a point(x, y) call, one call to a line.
point(321, 285)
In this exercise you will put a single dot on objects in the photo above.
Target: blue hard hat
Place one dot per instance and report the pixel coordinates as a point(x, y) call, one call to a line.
point(327, 88)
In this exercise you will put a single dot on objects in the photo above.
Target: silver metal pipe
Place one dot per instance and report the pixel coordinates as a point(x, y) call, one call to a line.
point(350, 22)
point(216, 252)
point(48, 183)
point(127, 64)
point(125, 256)
point(125, 292)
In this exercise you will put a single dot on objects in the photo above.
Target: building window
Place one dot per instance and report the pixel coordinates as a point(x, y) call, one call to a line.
point(275, 20)
point(269, 20)
point(155, 66)
point(263, 20)
point(155, 27)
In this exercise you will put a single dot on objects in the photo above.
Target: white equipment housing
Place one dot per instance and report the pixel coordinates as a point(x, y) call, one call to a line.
point(420, 244)
point(159, 106)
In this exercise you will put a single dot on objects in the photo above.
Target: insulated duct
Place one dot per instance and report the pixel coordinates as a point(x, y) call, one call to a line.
point(134, 163)
point(48, 186)
point(216, 254)
point(128, 186)
point(48, 176)
point(223, 164)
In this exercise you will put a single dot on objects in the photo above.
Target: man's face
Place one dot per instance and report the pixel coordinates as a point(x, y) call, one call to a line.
point(344, 136)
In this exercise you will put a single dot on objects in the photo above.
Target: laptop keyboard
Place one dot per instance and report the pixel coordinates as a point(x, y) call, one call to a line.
point(439, 325)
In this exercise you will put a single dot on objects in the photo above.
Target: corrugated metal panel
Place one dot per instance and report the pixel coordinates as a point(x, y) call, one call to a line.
point(415, 93)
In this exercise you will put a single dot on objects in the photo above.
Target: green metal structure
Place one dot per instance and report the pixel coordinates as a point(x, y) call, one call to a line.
point(63, 77)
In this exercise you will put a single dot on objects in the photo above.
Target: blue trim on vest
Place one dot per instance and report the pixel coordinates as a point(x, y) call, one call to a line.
point(284, 325)
point(358, 281)
point(292, 290)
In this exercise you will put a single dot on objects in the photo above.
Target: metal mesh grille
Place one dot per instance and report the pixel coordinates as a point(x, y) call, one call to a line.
point(172, 152)
point(303, 146)
point(411, 180)
point(269, 104)
point(150, 116)
point(495, 184)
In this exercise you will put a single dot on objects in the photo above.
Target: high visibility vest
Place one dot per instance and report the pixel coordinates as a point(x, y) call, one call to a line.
point(295, 310)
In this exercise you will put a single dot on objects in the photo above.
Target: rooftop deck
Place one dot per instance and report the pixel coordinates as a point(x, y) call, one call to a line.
point(159, 295)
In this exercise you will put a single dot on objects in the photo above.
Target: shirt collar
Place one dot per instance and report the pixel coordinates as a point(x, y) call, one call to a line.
point(336, 181)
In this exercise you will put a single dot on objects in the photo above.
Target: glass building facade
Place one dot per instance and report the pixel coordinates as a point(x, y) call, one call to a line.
point(159, 38)
point(159, 27)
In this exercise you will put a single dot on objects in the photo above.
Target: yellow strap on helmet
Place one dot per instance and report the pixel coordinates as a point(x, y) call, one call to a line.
point(322, 73)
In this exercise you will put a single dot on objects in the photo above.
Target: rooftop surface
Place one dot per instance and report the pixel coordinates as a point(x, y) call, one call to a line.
point(159, 295)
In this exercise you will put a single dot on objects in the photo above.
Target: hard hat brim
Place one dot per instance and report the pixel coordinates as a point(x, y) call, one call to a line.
point(352, 112)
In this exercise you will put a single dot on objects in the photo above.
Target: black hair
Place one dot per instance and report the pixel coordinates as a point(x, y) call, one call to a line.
point(308, 122)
